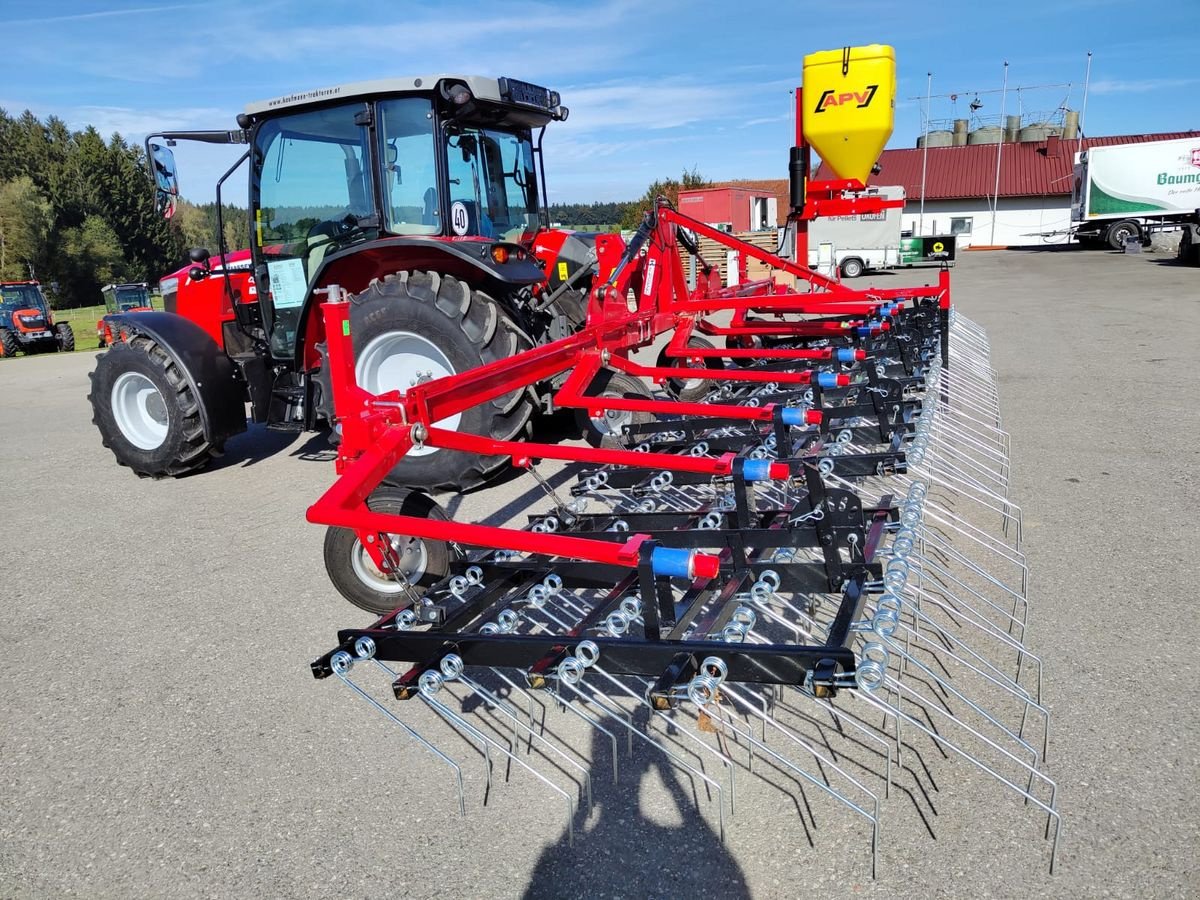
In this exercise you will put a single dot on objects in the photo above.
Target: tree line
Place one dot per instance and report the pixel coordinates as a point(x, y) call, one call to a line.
point(77, 212)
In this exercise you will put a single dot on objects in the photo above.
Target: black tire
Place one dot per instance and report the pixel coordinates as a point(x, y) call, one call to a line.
point(743, 342)
point(606, 431)
point(9, 343)
point(348, 564)
point(66, 337)
point(852, 267)
point(1118, 232)
point(470, 330)
point(184, 447)
point(690, 389)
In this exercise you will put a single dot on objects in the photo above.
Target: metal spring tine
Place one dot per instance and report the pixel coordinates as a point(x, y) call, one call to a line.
point(989, 629)
point(342, 670)
point(872, 817)
point(969, 470)
point(941, 740)
point(658, 713)
point(966, 438)
point(507, 710)
point(999, 679)
point(456, 720)
point(951, 550)
point(949, 687)
point(570, 707)
point(1015, 513)
point(529, 699)
point(597, 700)
point(938, 573)
point(978, 535)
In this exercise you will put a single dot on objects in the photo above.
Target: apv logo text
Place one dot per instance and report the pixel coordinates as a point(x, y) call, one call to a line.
point(861, 99)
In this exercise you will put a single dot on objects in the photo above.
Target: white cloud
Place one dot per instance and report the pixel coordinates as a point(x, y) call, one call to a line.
point(1138, 86)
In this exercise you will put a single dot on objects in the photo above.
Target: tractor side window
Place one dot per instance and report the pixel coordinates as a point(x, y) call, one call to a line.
point(311, 196)
point(408, 152)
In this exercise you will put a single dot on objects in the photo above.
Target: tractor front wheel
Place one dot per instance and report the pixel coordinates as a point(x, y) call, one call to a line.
point(147, 413)
point(8, 342)
point(419, 562)
point(66, 337)
point(414, 327)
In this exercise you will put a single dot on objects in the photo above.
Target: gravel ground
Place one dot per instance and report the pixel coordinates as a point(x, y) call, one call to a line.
point(160, 734)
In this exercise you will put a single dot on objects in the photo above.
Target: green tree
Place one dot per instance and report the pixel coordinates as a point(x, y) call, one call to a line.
point(92, 258)
point(668, 188)
point(26, 221)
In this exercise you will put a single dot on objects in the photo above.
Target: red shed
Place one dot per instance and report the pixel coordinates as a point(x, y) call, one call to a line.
point(733, 207)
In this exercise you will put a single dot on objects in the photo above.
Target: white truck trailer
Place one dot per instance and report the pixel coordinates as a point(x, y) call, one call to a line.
point(873, 241)
point(1131, 190)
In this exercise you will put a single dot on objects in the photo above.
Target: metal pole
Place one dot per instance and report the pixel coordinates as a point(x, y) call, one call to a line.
point(925, 152)
point(999, 151)
point(1083, 112)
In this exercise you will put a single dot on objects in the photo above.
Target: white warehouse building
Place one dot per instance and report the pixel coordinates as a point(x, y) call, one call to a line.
point(959, 182)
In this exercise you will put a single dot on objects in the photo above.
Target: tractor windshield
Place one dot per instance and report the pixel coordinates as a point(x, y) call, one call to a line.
point(493, 183)
point(311, 195)
point(132, 297)
point(21, 296)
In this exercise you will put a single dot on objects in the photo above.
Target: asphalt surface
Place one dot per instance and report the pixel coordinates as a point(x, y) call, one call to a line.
point(160, 733)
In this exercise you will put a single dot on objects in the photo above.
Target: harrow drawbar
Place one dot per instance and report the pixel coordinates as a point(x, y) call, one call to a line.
point(794, 558)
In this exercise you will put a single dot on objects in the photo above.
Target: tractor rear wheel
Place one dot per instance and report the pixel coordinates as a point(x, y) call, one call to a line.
point(8, 342)
point(66, 337)
point(146, 411)
point(607, 427)
point(421, 562)
point(414, 327)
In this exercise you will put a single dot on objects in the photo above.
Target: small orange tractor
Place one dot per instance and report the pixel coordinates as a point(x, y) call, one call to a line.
point(26, 323)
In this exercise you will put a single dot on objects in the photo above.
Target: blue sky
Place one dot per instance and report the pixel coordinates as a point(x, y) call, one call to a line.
point(654, 86)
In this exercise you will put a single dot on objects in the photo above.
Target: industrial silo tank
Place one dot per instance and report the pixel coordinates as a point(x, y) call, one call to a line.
point(989, 134)
point(935, 139)
point(1039, 131)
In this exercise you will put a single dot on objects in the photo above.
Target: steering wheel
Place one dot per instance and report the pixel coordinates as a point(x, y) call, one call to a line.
point(333, 228)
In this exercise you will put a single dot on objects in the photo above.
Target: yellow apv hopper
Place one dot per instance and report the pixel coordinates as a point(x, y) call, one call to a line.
point(849, 106)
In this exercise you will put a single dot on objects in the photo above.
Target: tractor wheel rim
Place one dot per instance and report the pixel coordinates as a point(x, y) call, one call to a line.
point(140, 411)
point(399, 360)
point(413, 562)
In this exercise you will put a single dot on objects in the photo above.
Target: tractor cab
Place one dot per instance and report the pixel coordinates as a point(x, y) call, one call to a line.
point(450, 164)
point(121, 298)
point(124, 298)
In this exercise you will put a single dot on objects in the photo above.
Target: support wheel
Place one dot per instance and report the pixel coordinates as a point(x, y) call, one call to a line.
point(607, 427)
point(66, 337)
point(414, 327)
point(8, 342)
point(690, 389)
point(146, 411)
point(422, 562)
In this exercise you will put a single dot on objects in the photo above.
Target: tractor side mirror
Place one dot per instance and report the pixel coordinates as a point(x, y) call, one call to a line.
point(199, 255)
point(198, 273)
point(166, 183)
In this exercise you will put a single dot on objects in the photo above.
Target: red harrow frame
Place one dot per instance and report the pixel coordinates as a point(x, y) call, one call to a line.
point(827, 534)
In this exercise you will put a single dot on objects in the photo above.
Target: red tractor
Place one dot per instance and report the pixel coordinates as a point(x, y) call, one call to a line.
point(122, 298)
point(26, 323)
point(421, 196)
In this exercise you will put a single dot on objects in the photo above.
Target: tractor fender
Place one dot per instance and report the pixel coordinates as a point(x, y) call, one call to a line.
point(469, 261)
point(209, 372)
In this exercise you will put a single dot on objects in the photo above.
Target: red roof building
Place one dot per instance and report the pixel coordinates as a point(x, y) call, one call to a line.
point(1033, 201)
